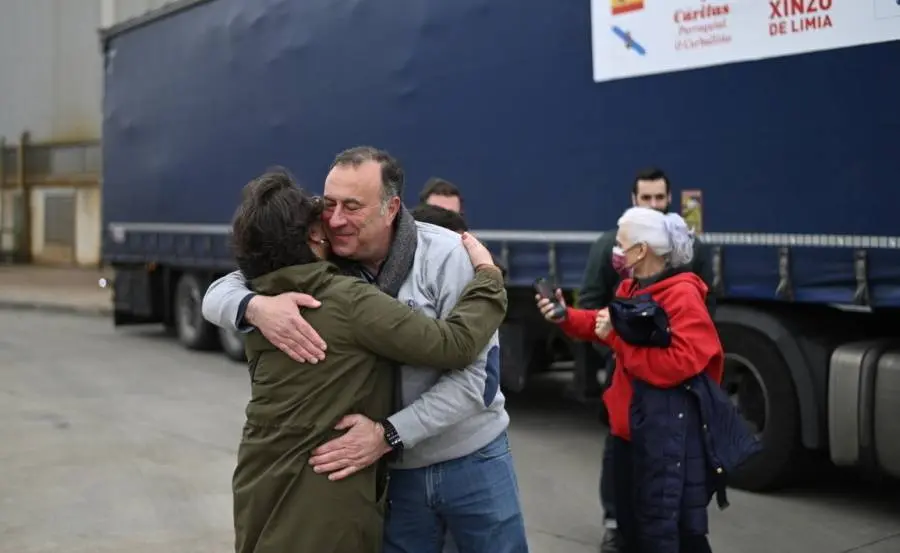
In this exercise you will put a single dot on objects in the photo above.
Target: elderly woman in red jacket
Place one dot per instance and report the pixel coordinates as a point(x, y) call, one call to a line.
point(652, 253)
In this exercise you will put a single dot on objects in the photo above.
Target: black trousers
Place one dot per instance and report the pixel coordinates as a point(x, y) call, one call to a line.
point(623, 470)
point(607, 473)
point(608, 482)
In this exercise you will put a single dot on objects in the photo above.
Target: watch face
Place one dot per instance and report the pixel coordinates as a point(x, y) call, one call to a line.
point(393, 439)
point(391, 436)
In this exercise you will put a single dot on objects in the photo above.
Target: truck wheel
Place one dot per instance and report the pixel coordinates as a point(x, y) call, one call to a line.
point(232, 344)
point(759, 383)
point(193, 331)
point(513, 358)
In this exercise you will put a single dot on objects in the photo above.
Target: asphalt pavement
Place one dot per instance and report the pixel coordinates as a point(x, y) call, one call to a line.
point(116, 441)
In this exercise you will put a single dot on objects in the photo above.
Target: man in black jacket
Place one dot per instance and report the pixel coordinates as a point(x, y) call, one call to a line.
point(651, 189)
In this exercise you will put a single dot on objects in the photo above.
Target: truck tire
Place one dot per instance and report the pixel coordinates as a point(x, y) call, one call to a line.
point(193, 331)
point(232, 344)
point(518, 349)
point(757, 377)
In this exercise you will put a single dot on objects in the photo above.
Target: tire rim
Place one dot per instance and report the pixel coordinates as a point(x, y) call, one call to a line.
point(232, 340)
point(743, 383)
point(187, 312)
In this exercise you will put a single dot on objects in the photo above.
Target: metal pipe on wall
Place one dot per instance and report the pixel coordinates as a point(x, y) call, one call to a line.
point(3, 252)
point(25, 194)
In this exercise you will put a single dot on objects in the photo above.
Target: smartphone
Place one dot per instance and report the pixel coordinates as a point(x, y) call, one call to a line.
point(544, 290)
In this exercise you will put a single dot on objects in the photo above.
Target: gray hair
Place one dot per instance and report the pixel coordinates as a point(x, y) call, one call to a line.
point(392, 177)
point(667, 235)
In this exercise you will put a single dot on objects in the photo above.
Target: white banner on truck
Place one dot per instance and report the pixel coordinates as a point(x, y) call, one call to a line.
point(632, 38)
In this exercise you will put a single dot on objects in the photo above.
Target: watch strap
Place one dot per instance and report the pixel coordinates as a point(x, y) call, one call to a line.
point(391, 436)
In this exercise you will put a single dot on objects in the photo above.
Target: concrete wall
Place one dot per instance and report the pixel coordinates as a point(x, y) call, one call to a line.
point(51, 64)
point(51, 85)
point(50, 69)
point(85, 247)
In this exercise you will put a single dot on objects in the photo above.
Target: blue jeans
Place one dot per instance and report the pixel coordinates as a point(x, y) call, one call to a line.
point(474, 499)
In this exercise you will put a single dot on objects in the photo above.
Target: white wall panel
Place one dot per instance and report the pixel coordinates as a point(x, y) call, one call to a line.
point(124, 10)
point(50, 64)
point(50, 69)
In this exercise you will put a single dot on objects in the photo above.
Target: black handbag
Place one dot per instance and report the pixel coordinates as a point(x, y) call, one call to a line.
point(640, 321)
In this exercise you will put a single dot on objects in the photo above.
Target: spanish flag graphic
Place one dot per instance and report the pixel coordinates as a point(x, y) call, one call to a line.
point(625, 6)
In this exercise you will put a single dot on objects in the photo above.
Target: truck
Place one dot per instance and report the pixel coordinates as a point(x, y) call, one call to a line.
point(774, 121)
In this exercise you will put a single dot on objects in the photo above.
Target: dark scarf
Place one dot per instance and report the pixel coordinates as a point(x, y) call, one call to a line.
point(394, 272)
point(400, 258)
point(662, 275)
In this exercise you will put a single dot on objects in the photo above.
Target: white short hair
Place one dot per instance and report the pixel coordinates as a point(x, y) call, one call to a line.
point(666, 234)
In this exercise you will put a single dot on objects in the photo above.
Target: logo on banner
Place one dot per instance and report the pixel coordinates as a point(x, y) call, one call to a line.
point(625, 6)
point(629, 41)
point(637, 38)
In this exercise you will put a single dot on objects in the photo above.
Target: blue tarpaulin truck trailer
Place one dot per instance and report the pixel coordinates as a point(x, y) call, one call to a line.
point(777, 122)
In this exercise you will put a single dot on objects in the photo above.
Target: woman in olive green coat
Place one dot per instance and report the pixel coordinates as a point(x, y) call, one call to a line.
point(280, 504)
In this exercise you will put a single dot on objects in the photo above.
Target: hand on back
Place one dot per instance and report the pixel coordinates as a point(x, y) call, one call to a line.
point(478, 254)
point(279, 320)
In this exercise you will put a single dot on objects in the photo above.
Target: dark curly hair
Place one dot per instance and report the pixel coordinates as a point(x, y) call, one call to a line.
point(270, 228)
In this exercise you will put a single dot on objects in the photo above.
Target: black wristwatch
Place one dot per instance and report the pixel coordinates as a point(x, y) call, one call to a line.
point(391, 436)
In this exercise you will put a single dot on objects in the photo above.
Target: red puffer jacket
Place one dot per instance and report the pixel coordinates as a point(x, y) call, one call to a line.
point(695, 346)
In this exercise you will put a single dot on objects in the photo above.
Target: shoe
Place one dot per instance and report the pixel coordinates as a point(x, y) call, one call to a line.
point(612, 542)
